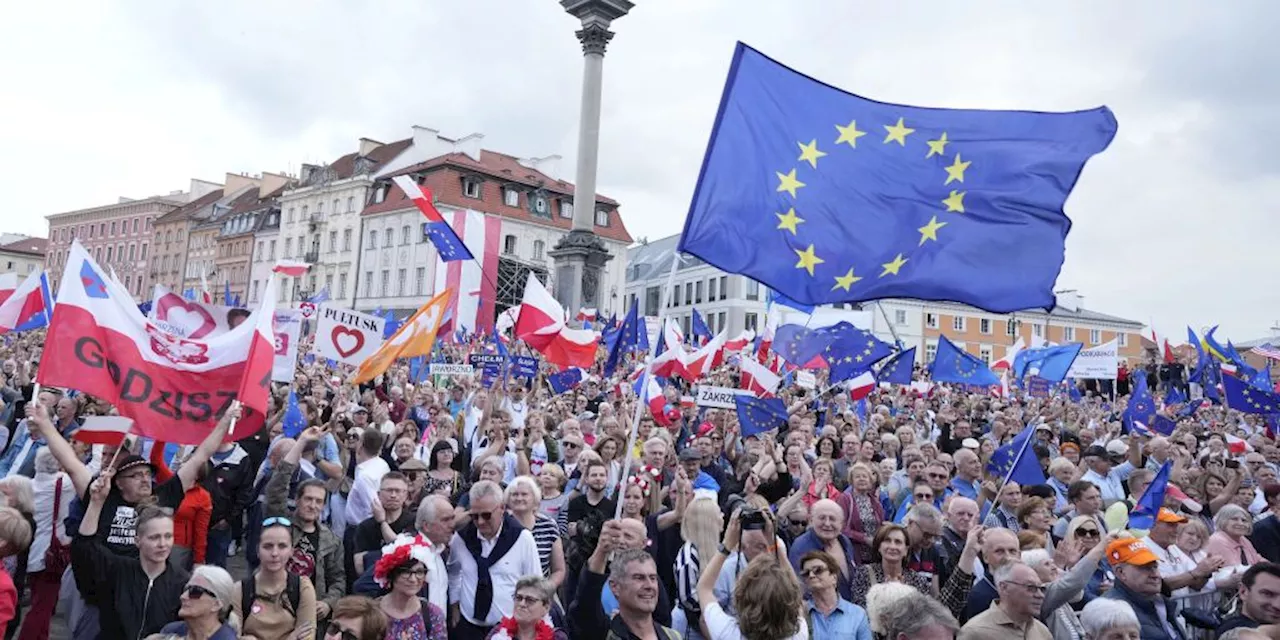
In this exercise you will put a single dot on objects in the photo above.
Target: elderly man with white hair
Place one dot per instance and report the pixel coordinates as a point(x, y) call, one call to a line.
point(826, 521)
point(486, 559)
point(1106, 619)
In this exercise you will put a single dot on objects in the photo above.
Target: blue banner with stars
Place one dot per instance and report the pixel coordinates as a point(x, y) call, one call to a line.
point(828, 197)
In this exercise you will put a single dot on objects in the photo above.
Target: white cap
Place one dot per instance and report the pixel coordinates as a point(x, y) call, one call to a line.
point(1117, 448)
point(970, 443)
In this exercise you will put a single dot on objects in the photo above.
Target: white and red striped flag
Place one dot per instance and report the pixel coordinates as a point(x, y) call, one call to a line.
point(174, 388)
point(291, 268)
point(103, 430)
point(473, 281)
point(542, 326)
point(757, 378)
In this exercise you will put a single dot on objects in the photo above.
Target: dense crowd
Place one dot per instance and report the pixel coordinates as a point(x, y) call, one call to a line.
point(460, 507)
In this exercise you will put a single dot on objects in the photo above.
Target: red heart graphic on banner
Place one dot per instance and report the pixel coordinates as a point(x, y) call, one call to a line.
point(340, 332)
point(197, 320)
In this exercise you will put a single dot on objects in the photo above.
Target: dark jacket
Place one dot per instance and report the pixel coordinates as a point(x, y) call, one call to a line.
point(1149, 625)
point(587, 619)
point(180, 630)
point(330, 577)
point(139, 605)
point(231, 485)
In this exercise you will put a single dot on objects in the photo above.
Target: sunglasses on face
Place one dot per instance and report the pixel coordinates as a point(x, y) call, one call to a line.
point(1088, 533)
point(195, 592)
point(572, 445)
point(486, 515)
point(813, 571)
point(335, 630)
point(522, 599)
point(924, 496)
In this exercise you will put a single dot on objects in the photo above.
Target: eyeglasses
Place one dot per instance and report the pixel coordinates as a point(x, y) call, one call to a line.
point(924, 496)
point(1030, 587)
point(280, 520)
point(937, 476)
point(813, 571)
point(335, 630)
point(1088, 533)
point(522, 599)
point(571, 445)
point(798, 523)
point(195, 592)
point(486, 515)
point(415, 573)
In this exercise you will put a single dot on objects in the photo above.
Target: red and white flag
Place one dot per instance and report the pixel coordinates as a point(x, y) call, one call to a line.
point(861, 386)
point(739, 343)
point(23, 302)
point(475, 281)
point(1006, 363)
point(542, 326)
point(701, 362)
point(173, 388)
point(1237, 446)
point(291, 268)
point(103, 430)
point(757, 378)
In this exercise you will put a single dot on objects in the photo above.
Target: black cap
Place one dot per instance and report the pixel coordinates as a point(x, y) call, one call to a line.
point(689, 454)
point(131, 461)
point(1096, 451)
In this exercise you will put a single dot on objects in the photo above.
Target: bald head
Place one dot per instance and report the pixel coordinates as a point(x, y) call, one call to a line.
point(999, 547)
point(634, 535)
point(827, 519)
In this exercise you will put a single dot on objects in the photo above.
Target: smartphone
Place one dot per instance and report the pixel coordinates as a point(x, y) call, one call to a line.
point(1233, 464)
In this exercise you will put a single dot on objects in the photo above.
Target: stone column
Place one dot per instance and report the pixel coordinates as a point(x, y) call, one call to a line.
point(581, 255)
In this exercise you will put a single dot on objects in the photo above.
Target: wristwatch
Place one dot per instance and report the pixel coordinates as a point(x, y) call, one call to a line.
point(725, 550)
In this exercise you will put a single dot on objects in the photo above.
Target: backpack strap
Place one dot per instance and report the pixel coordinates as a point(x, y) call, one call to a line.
point(248, 591)
point(293, 588)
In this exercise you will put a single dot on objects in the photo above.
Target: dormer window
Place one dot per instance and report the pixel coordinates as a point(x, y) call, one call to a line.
point(510, 197)
point(540, 205)
point(566, 209)
point(380, 194)
point(471, 188)
point(602, 218)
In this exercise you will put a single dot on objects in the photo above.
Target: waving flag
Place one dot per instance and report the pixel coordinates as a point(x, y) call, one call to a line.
point(898, 368)
point(416, 337)
point(27, 305)
point(446, 240)
point(1012, 463)
point(700, 330)
point(953, 364)
point(701, 362)
point(291, 268)
point(802, 346)
point(1048, 363)
point(1202, 360)
point(293, 422)
point(565, 380)
point(632, 336)
point(1247, 399)
point(852, 351)
point(1010, 355)
point(1141, 407)
point(174, 388)
point(862, 385)
point(758, 415)
point(542, 326)
point(1174, 396)
point(828, 197)
point(739, 343)
point(1144, 512)
point(757, 378)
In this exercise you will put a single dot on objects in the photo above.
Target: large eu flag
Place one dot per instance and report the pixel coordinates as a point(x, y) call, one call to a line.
point(829, 197)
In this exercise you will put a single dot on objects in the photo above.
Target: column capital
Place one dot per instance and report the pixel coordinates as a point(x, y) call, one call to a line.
point(594, 38)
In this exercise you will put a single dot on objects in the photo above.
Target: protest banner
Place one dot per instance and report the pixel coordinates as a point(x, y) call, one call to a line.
point(287, 327)
point(1099, 363)
point(192, 319)
point(347, 336)
point(447, 369)
point(718, 397)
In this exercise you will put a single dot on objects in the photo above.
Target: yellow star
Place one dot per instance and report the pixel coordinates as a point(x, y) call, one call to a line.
point(897, 133)
point(810, 153)
point(893, 267)
point(956, 170)
point(955, 202)
point(930, 231)
point(939, 146)
point(787, 182)
point(808, 260)
point(789, 220)
point(850, 134)
point(845, 281)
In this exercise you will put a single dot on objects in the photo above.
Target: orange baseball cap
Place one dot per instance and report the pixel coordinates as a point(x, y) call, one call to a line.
point(1130, 551)
point(1170, 516)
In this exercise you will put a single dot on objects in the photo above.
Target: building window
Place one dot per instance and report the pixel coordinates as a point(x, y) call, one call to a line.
point(283, 291)
point(143, 254)
point(288, 216)
point(351, 204)
point(931, 320)
point(900, 317)
point(538, 247)
point(319, 208)
point(342, 285)
point(368, 284)
point(711, 289)
point(388, 237)
point(510, 197)
point(258, 253)
point(113, 227)
point(651, 301)
point(400, 282)
point(566, 209)
point(108, 257)
point(102, 230)
point(380, 194)
point(404, 234)
point(373, 239)
point(984, 326)
point(304, 212)
point(697, 292)
point(1037, 330)
point(471, 188)
point(724, 287)
point(602, 218)
point(1095, 336)
point(1011, 327)
point(386, 283)
point(420, 281)
point(254, 295)
point(509, 245)
point(750, 321)
point(753, 289)
point(1123, 339)
point(688, 293)
point(271, 250)
point(720, 321)
point(540, 205)
point(288, 248)
point(132, 250)
point(346, 239)
point(930, 352)
point(984, 352)
point(1068, 334)
point(90, 231)
point(335, 205)
point(135, 225)
point(333, 241)
point(957, 324)
point(675, 296)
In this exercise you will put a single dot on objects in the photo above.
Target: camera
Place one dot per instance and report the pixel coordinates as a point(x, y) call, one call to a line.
point(752, 519)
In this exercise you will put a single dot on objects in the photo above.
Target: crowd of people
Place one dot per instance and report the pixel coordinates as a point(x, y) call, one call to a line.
point(477, 507)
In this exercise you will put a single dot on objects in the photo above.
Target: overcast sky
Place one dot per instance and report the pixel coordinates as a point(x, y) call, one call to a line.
point(1174, 224)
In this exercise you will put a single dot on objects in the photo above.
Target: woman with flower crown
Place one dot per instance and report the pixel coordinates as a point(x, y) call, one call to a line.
point(403, 569)
point(534, 595)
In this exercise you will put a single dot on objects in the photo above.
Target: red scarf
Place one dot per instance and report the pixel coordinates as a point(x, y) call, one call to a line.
point(543, 631)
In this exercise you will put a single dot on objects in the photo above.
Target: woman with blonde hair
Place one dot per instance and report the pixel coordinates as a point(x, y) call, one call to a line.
point(766, 596)
point(1086, 532)
point(862, 509)
point(1231, 541)
point(523, 498)
point(700, 529)
point(207, 608)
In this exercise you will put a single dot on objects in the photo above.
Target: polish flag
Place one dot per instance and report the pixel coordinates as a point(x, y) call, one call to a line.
point(862, 386)
point(1006, 363)
point(542, 326)
point(1237, 446)
point(205, 296)
point(109, 430)
point(758, 379)
point(291, 268)
point(586, 314)
point(739, 343)
point(173, 388)
point(474, 308)
point(702, 361)
point(25, 302)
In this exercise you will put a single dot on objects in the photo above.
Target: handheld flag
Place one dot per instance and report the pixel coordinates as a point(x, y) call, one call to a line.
point(828, 197)
point(700, 330)
point(757, 378)
point(1141, 407)
point(446, 240)
point(1048, 363)
point(291, 268)
point(1015, 462)
point(757, 415)
point(853, 351)
point(294, 422)
point(897, 369)
point(27, 305)
point(542, 326)
point(953, 364)
point(633, 336)
point(1144, 512)
point(1247, 399)
point(565, 380)
point(415, 338)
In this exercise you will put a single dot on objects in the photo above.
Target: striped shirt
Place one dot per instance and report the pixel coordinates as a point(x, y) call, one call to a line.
point(688, 568)
point(545, 535)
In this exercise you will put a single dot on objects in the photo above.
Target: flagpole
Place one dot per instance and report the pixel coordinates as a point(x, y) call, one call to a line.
point(48, 320)
point(644, 382)
point(892, 331)
point(1018, 456)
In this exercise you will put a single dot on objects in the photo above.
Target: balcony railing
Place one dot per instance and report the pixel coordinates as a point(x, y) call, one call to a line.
point(311, 257)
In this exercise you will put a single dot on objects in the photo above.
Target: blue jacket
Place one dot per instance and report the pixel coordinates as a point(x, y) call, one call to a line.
point(1149, 625)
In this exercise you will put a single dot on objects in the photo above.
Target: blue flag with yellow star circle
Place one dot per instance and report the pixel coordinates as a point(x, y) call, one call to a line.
point(829, 197)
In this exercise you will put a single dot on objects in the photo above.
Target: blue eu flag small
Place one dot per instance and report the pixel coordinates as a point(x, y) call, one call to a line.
point(828, 197)
point(955, 365)
point(1247, 399)
point(897, 369)
point(1016, 461)
point(757, 415)
point(293, 422)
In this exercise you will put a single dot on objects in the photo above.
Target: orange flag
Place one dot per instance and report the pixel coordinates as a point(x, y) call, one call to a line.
point(416, 338)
